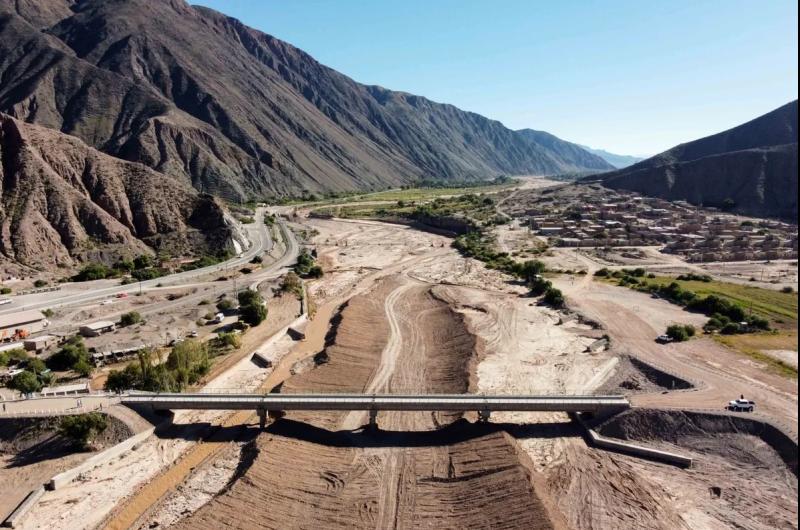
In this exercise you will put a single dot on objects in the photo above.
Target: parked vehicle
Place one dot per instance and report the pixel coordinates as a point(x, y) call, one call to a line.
point(4, 301)
point(741, 405)
point(192, 334)
point(663, 339)
point(122, 295)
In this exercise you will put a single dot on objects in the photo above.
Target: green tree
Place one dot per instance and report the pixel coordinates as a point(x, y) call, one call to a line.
point(677, 332)
point(83, 368)
point(25, 382)
point(72, 352)
point(142, 262)
point(83, 428)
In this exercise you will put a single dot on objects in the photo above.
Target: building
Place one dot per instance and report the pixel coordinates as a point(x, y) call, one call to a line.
point(66, 390)
point(40, 343)
point(21, 324)
point(97, 328)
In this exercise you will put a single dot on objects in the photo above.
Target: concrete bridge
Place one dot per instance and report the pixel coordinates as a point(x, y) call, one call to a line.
point(484, 405)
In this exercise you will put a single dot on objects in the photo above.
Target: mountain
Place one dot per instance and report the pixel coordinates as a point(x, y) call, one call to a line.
point(751, 168)
point(581, 157)
point(62, 201)
point(201, 97)
point(618, 161)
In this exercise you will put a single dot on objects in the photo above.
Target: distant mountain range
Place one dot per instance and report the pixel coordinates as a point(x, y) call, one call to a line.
point(751, 169)
point(618, 161)
point(202, 98)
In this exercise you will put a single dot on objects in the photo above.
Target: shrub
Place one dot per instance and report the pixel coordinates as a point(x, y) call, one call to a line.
point(677, 332)
point(129, 319)
point(39, 283)
point(14, 356)
point(602, 273)
point(554, 297)
point(5, 290)
point(93, 271)
point(256, 260)
point(788, 289)
point(121, 380)
point(48, 312)
point(731, 328)
point(225, 305)
point(83, 428)
point(229, 340)
point(292, 284)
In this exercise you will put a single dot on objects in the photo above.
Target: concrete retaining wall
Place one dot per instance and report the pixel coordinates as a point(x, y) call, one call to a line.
point(102, 457)
point(596, 440)
point(13, 520)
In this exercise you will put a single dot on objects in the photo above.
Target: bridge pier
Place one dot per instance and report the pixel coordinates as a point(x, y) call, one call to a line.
point(262, 419)
point(373, 419)
point(484, 415)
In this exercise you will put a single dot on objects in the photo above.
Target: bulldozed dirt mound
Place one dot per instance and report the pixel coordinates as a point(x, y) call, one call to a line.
point(743, 475)
point(333, 482)
point(313, 470)
point(704, 432)
point(633, 376)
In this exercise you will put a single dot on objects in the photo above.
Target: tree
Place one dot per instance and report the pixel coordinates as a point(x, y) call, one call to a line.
point(39, 283)
point(25, 382)
point(121, 380)
point(82, 428)
point(129, 319)
point(92, 271)
point(35, 365)
point(83, 368)
point(69, 355)
point(251, 307)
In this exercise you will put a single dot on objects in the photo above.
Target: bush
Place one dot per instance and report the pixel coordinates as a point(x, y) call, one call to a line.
point(119, 381)
point(14, 356)
point(692, 277)
point(129, 319)
point(229, 340)
point(40, 283)
point(93, 271)
point(731, 328)
point(225, 305)
point(5, 290)
point(554, 297)
point(83, 428)
point(539, 286)
point(678, 332)
point(256, 260)
point(787, 289)
point(602, 273)
point(292, 284)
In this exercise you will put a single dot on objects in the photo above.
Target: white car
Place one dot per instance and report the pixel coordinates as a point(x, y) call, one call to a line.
point(107, 301)
point(741, 405)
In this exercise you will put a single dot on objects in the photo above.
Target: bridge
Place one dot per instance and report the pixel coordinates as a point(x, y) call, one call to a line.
point(484, 405)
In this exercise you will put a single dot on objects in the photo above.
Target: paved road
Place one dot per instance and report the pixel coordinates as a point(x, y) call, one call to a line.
point(260, 239)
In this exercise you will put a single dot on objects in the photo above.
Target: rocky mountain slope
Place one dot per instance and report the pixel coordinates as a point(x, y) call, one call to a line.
point(751, 168)
point(201, 97)
point(62, 201)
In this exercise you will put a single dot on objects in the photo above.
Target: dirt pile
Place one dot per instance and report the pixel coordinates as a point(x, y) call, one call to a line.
point(398, 337)
point(633, 376)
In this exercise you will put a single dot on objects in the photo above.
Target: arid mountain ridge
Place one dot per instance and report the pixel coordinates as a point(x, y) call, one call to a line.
point(751, 168)
point(201, 97)
point(63, 202)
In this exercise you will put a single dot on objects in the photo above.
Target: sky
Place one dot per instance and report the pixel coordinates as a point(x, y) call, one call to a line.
point(631, 77)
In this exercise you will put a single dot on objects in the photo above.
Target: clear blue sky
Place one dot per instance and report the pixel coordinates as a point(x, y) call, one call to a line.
point(632, 77)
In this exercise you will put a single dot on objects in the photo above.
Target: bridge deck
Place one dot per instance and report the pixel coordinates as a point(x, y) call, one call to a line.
point(429, 402)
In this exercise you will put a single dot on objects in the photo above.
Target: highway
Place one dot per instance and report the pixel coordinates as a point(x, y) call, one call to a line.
point(427, 402)
point(260, 242)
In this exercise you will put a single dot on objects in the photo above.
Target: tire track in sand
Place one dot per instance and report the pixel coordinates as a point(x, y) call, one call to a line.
point(389, 355)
